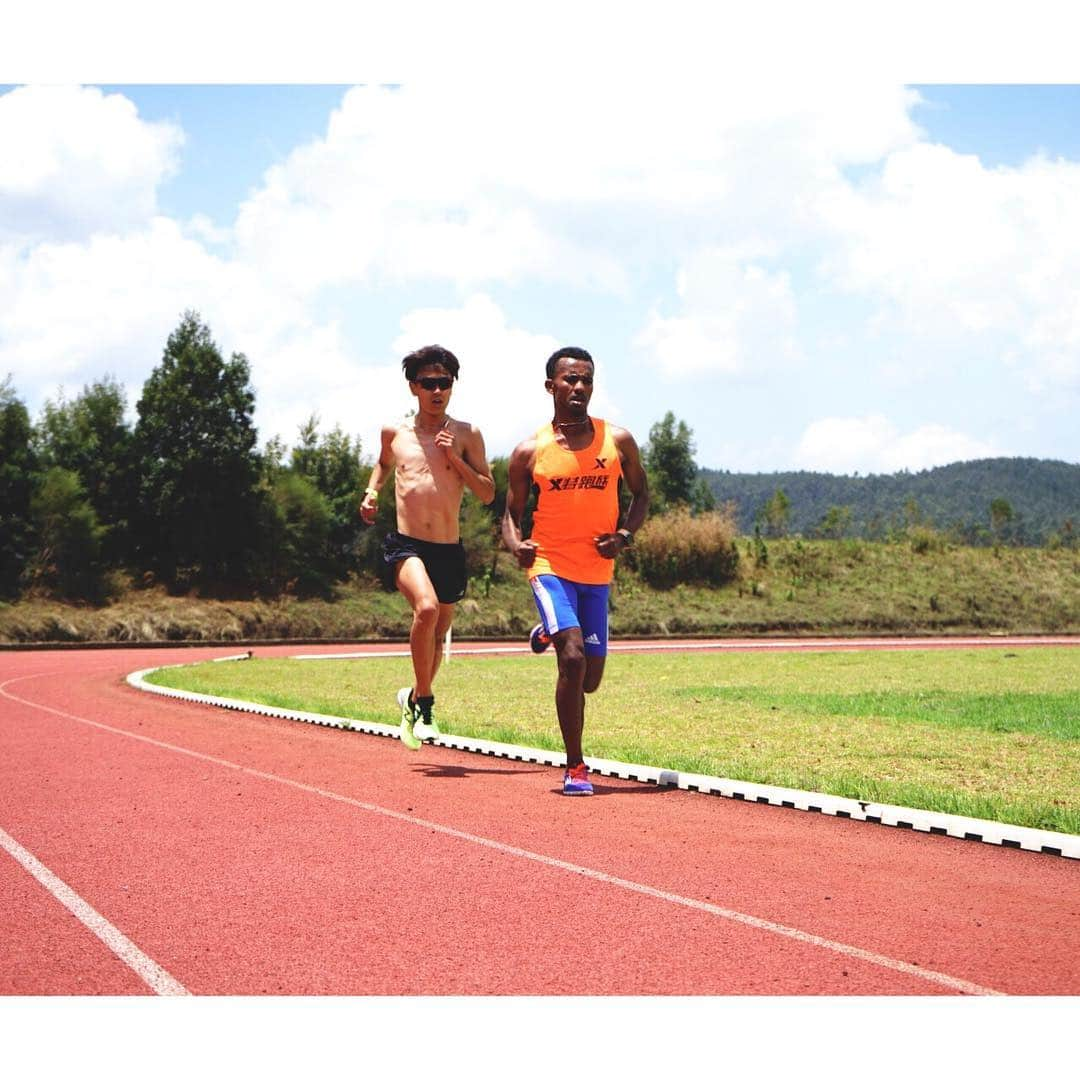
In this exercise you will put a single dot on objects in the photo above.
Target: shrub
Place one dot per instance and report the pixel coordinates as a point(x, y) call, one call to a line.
point(681, 547)
point(925, 539)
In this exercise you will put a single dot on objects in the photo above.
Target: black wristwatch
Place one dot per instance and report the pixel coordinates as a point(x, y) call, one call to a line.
point(627, 535)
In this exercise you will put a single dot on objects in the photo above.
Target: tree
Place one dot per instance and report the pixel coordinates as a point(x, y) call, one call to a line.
point(835, 522)
point(774, 515)
point(17, 467)
point(335, 467)
point(91, 437)
point(296, 526)
point(668, 457)
point(194, 448)
point(1001, 513)
point(69, 537)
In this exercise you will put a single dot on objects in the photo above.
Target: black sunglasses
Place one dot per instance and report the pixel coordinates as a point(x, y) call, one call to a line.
point(444, 382)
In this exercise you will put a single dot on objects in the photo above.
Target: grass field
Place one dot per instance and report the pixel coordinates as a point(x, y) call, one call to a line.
point(987, 733)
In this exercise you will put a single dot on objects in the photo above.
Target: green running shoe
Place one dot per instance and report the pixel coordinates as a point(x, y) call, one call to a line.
point(408, 719)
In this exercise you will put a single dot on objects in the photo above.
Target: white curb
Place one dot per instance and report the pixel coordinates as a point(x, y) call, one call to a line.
point(926, 821)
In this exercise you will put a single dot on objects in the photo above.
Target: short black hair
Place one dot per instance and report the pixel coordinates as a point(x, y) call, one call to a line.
point(567, 352)
point(429, 354)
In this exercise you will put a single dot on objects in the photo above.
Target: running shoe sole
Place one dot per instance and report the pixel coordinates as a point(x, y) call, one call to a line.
point(538, 640)
point(423, 730)
point(576, 787)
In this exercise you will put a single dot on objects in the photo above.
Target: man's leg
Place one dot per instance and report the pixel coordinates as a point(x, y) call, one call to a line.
point(570, 691)
point(593, 614)
point(445, 620)
point(415, 585)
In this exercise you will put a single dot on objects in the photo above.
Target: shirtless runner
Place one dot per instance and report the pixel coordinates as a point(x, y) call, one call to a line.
point(433, 457)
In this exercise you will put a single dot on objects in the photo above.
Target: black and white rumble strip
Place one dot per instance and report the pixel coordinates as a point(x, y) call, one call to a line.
point(927, 821)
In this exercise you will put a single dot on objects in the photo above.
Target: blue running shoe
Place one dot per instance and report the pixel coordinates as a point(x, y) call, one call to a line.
point(538, 640)
point(576, 781)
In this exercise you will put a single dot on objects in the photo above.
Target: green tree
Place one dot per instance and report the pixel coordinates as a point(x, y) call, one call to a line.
point(835, 522)
point(194, 448)
point(91, 437)
point(18, 465)
point(294, 536)
point(1001, 514)
point(674, 480)
point(774, 516)
point(335, 466)
point(69, 538)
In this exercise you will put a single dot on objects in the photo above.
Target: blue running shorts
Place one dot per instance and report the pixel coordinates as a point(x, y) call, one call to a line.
point(565, 604)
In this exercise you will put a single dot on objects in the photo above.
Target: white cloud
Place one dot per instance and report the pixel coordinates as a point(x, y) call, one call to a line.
point(872, 444)
point(77, 162)
point(474, 184)
point(72, 312)
point(703, 212)
point(736, 316)
point(965, 259)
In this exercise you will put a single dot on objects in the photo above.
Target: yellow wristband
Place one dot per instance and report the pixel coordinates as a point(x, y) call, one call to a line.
point(373, 492)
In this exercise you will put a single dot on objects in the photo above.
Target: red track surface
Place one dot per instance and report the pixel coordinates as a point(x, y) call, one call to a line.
point(248, 855)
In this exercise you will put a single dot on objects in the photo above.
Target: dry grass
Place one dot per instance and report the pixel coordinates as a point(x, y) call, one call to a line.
point(799, 587)
point(680, 547)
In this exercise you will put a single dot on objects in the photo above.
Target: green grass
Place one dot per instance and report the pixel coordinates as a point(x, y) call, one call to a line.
point(990, 733)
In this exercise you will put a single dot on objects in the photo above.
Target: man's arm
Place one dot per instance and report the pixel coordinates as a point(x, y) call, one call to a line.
point(383, 467)
point(519, 480)
point(610, 544)
point(471, 464)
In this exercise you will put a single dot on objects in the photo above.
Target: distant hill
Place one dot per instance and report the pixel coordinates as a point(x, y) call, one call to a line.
point(1044, 497)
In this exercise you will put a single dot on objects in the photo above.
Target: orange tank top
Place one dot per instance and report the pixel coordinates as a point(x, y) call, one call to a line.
point(577, 500)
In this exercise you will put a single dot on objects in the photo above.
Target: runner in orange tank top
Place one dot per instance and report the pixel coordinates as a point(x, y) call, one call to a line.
point(576, 465)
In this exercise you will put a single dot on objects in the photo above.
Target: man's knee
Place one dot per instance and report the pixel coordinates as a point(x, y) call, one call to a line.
point(426, 611)
point(572, 660)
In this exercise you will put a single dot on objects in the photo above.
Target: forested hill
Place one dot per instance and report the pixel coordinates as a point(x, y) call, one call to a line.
point(1035, 501)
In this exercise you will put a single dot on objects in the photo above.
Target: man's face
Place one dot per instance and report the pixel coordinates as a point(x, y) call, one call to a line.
point(432, 387)
point(571, 385)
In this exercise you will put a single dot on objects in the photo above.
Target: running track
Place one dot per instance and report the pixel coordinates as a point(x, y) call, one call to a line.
point(226, 853)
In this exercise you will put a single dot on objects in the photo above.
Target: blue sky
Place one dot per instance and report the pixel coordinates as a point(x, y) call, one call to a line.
point(856, 278)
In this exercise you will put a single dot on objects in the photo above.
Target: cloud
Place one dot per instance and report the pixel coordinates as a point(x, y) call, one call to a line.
point(543, 182)
point(706, 226)
point(966, 260)
point(736, 317)
point(872, 444)
point(78, 162)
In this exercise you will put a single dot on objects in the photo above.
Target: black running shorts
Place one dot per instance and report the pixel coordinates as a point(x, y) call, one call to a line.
point(445, 564)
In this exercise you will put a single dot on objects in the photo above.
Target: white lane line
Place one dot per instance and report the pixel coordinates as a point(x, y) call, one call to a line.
point(155, 976)
point(961, 986)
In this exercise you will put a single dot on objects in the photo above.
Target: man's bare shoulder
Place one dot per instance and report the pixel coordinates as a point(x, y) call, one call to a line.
point(525, 452)
point(462, 427)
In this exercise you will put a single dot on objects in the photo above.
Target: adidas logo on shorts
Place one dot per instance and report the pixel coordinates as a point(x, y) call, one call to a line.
point(592, 639)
